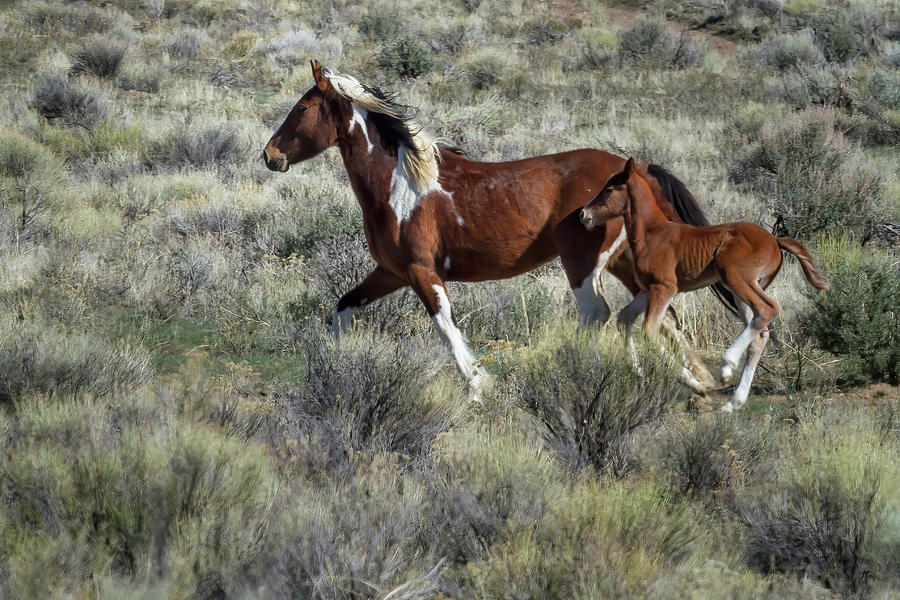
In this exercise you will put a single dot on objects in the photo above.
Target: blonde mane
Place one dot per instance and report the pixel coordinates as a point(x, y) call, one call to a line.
point(420, 161)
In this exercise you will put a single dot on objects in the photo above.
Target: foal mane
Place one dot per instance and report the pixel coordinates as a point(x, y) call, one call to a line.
point(395, 123)
point(684, 203)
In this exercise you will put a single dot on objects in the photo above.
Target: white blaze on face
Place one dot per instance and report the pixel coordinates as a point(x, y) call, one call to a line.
point(359, 118)
point(589, 294)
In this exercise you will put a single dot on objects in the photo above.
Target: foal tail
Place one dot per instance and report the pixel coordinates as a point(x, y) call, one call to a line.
point(813, 275)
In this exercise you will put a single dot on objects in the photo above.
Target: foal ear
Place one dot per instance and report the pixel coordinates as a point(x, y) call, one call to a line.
point(629, 167)
point(321, 82)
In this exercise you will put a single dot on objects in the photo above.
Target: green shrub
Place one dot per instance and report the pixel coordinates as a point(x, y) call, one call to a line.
point(485, 481)
point(189, 145)
point(405, 58)
point(45, 361)
point(56, 98)
point(100, 57)
point(649, 40)
point(884, 87)
point(789, 51)
point(836, 35)
point(485, 68)
point(598, 541)
point(149, 496)
point(361, 538)
point(588, 399)
point(713, 456)
point(363, 396)
point(139, 78)
point(381, 25)
point(823, 511)
point(857, 318)
point(810, 176)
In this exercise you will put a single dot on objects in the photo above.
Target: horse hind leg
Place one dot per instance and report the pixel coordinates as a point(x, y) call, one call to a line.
point(759, 310)
point(584, 259)
point(742, 392)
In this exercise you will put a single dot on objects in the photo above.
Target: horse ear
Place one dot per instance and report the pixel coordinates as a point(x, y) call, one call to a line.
point(321, 82)
point(629, 167)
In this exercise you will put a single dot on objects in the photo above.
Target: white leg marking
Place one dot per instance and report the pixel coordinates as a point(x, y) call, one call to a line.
point(359, 118)
point(589, 295)
point(733, 355)
point(465, 361)
point(340, 321)
point(742, 391)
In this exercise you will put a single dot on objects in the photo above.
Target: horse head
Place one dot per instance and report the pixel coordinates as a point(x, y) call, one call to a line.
point(311, 127)
point(612, 199)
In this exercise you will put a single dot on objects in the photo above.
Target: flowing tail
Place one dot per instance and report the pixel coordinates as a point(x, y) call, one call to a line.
point(813, 275)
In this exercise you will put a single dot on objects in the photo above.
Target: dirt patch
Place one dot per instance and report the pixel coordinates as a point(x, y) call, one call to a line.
point(625, 17)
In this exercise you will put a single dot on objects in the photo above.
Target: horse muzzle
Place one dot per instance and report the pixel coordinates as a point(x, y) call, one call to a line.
point(275, 162)
point(587, 219)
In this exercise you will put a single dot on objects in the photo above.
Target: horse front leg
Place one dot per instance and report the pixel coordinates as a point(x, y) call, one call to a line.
point(431, 291)
point(378, 284)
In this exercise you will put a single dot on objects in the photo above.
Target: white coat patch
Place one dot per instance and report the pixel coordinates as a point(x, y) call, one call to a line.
point(405, 196)
point(359, 118)
point(588, 295)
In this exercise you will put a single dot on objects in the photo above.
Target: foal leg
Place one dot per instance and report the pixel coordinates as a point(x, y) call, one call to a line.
point(430, 289)
point(378, 284)
point(754, 352)
point(626, 319)
point(694, 374)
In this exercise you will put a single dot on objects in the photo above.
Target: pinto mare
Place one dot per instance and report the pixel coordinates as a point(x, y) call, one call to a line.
point(675, 257)
point(431, 215)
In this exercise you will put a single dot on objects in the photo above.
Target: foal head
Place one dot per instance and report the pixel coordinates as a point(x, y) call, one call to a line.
point(612, 200)
point(311, 127)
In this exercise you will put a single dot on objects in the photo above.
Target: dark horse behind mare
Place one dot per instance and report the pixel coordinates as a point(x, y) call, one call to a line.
point(431, 215)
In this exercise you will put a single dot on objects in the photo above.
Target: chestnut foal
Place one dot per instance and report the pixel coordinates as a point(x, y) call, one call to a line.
point(673, 257)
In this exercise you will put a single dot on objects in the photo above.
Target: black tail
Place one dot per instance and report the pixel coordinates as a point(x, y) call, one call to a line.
point(686, 206)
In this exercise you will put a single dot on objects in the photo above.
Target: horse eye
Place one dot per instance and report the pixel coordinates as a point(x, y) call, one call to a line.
point(302, 108)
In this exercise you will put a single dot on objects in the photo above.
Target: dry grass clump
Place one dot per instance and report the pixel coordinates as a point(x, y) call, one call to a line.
point(822, 514)
point(75, 104)
point(100, 57)
point(810, 176)
point(588, 398)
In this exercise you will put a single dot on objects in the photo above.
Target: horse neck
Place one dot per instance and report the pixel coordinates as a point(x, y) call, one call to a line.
point(642, 213)
point(368, 162)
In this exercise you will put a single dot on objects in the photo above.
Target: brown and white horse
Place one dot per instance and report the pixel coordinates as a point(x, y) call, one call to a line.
point(675, 257)
point(431, 215)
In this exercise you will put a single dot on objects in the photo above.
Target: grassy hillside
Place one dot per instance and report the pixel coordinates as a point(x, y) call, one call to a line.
point(175, 423)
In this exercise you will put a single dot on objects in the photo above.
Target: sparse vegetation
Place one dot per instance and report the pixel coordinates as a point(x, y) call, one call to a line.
point(175, 421)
